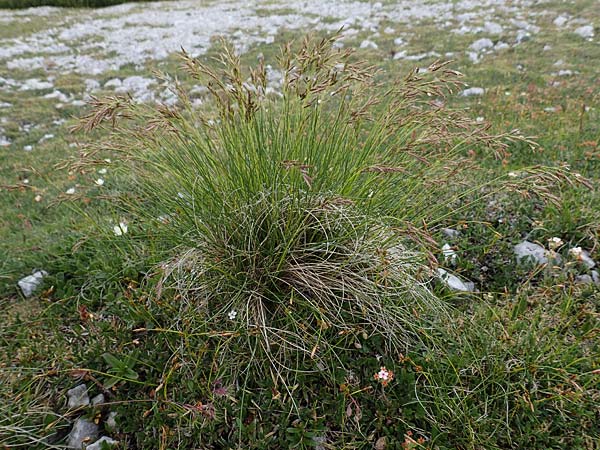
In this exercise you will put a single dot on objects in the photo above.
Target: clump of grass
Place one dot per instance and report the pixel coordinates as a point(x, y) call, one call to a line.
point(284, 218)
point(279, 212)
point(284, 234)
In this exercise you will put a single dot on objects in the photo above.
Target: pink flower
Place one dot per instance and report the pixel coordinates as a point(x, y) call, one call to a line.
point(384, 376)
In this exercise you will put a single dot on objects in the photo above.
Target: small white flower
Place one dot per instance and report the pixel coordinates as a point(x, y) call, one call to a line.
point(576, 252)
point(555, 242)
point(102, 171)
point(26, 181)
point(70, 191)
point(479, 119)
point(232, 314)
point(449, 253)
point(99, 181)
point(107, 160)
point(38, 198)
point(120, 229)
point(513, 174)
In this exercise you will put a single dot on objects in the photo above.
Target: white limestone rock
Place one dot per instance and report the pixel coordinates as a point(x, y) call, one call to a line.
point(450, 233)
point(453, 282)
point(98, 400)
point(493, 28)
point(471, 92)
point(586, 31)
point(103, 440)
point(560, 21)
point(368, 44)
point(482, 44)
point(83, 432)
point(78, 397)
point(529, 251)
point(31, 283)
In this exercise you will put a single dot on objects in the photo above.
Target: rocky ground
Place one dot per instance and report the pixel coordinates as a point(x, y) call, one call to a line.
point(95, 42)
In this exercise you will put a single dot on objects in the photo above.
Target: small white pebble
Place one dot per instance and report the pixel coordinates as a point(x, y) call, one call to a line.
point(102, 171)
point(99, 182)
point(70, 191)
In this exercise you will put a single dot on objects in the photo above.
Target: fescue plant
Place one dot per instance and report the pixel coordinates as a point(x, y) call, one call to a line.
point(281, 213)
point(285, 217)
point(284, 224)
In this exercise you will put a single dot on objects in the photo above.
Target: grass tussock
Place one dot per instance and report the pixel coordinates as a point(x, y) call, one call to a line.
point(281, 213)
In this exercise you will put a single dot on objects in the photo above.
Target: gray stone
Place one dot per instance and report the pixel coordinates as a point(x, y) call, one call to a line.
point(34, 84)
point(83, 431)
point(450, 233)
point(57, 95)
point(586, 31)
point(472, 92)
point(482, 44)
point(319, 442)
point(78, 397)
point(565, 73)
point(455, 283)
point(113, 83)
point(98, 400)
point(595, 276)
point(368, 44)
point(528, 251)
point(4, 141)
point(111, 422)
point(586, 259)
point(30, 283)
point(560, 21)
point(98, 444)
point(92, 85)
point(522, 36)
point(492, 28)
point(583, 279)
